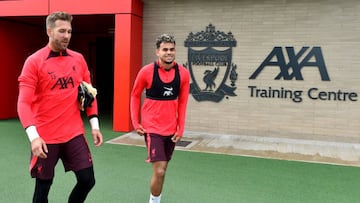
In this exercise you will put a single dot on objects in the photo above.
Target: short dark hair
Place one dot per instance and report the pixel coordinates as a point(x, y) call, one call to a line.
point(59, 15)
point(164, 38)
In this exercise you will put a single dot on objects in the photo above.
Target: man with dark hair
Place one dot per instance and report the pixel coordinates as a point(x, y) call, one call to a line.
point(49, 110)
point(163, 111)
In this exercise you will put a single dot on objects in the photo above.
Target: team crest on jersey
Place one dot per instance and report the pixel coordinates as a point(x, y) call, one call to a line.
point(210, 64)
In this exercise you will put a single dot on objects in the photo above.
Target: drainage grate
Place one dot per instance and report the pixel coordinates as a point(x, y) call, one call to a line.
point(183, 143)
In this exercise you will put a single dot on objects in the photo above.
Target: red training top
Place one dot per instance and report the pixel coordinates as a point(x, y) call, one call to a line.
point(48, 91)
point(164, 117)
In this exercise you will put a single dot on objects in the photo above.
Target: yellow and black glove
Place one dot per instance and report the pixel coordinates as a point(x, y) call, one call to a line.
point(86, 95)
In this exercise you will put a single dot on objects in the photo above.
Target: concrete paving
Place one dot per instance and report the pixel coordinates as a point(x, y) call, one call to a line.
point(308, 150)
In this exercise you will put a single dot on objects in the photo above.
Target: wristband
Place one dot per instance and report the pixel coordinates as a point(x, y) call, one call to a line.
point(32, 133)
point(94, 123)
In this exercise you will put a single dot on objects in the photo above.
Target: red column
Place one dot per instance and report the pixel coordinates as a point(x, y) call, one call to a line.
point(128, 61)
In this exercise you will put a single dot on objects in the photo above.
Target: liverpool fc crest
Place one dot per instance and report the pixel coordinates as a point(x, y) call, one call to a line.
point(210, 64)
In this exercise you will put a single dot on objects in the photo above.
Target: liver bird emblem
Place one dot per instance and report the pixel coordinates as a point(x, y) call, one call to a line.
point(209, 78)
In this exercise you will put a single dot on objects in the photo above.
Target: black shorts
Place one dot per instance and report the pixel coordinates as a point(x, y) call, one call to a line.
point(160, 148)
point(75, 155)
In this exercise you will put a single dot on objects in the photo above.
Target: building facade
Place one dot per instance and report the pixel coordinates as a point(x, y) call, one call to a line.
point(296, 64)
point(274, 68)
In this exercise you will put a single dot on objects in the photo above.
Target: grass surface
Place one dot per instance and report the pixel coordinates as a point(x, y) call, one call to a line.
point(122, 176)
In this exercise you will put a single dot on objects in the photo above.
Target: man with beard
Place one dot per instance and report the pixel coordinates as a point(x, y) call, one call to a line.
point(49, 110)
point(163, 110)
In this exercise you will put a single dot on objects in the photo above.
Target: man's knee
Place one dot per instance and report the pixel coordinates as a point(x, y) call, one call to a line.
point(42, 188)
point(159, 169)
point(160, 172)
point(85, 177)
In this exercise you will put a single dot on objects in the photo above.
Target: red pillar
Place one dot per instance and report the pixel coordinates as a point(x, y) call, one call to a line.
point(128, 61)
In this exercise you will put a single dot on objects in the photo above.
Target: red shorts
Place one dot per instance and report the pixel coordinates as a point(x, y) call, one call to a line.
point(75, 155)
point(160, 148)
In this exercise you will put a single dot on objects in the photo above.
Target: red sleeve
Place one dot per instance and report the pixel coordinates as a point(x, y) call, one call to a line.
point(27, 85)
point(142, 81)
point(183, 99)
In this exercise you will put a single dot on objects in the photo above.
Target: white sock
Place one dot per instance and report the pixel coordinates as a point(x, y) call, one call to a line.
point(155, 199)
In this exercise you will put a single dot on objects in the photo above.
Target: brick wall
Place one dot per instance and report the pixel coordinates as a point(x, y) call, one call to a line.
point(259, 26)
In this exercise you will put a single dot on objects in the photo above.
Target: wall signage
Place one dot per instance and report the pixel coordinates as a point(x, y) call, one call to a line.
point(311, 58)
point(210, 64)
point(214, 75)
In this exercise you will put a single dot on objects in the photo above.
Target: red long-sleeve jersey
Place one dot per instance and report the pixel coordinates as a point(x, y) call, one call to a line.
point(48, 90)
point(164, 117)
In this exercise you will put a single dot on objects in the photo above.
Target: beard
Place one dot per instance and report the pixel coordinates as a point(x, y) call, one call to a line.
point(60, 45)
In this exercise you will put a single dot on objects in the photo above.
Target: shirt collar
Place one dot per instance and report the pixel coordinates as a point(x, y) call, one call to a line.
point(163, 68)
point(56, 54)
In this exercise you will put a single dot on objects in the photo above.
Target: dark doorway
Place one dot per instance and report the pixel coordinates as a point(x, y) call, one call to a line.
point(104, 73)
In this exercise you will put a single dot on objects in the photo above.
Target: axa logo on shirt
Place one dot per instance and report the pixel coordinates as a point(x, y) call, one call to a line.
point(63, 82)
point(291, 70)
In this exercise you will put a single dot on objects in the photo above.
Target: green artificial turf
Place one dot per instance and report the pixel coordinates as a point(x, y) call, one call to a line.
point(122, 176)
